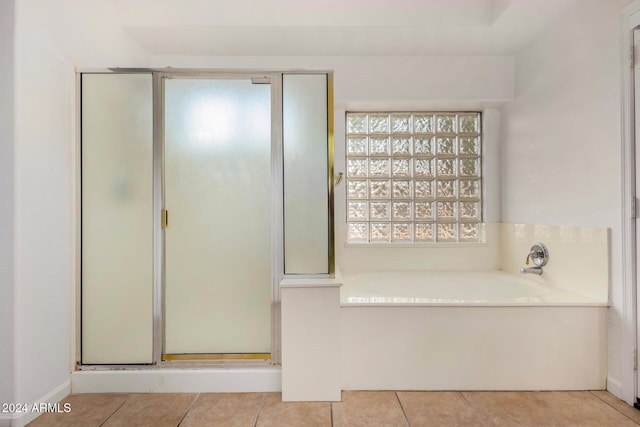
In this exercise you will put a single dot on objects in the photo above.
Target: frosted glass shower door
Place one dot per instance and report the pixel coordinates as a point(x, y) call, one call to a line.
point(217, 170)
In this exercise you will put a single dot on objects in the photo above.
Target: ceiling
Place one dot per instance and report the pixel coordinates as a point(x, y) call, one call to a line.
point(337, 27)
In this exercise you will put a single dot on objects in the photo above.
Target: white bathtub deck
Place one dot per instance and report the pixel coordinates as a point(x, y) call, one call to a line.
point(456, 289)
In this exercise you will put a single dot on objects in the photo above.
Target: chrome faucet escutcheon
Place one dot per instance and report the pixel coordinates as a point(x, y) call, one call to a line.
point(539, 256)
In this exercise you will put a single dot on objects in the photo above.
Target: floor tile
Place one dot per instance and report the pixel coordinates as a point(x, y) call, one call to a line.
point(277, 413)
point(368, 408)
point(618, 404)
point(224, 409)
point(580, 409)
point(87, 410)
point(430, 408)
point(512, 408)
point(566, 409)
point(152, 410)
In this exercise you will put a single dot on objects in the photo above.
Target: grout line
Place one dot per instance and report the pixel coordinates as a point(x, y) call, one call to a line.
point(406, 419)
point(465, 398)
point(611, 406)
point(116, 410)
point(331, 412)
point(255, 420)
point(188, 409)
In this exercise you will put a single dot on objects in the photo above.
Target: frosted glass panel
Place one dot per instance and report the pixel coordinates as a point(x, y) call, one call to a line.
point(306, 224)
point(117, 179)
point(218, 194)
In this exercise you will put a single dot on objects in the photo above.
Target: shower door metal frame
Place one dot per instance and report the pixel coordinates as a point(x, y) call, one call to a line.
point(277, 208)
point(628, 388)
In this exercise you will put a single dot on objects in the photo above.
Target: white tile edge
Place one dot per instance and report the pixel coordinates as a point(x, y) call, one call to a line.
point(495, 305)
point(313, 282)
point(310, 283)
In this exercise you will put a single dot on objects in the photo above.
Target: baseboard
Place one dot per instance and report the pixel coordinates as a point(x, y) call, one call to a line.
point(614, 387)
point(22, 419)
point(178, 380)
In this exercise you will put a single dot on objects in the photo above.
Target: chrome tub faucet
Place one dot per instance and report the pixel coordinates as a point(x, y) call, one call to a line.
point(531, 270)
point(539, 256)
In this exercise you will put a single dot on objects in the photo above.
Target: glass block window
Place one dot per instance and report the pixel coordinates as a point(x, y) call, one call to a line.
point(414, 177)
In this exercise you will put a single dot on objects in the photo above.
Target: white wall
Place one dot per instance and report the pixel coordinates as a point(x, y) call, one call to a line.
point(386, 82)
point(561, 139)
point(6, 201)
point(52, 37)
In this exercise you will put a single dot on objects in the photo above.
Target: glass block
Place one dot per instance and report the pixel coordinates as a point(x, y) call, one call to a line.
point(378, 123)
point(446, 232)
point(469, 167)
point(446, 167)
point(357, 168)
point(469, 232)
point(379, 189)
point(423, 146)
point(423, 232)
point(404, 167)
point(446, 123)
point(402, 210)
point(379, 211)
point(422, 123)
point(447, 189)
point(423, 210)
point(357, 211)
point(379, 167)
point(469, 210)
point(401, 123)
point(357, 232)
point(468, 123)
point(401, 167)
point(357, 146)
point(469, 146)
point(469, 189)
point(446, 146)
point(423, 167)
point(379, 146)
point(401, 146)
point(424, 189)
point(446, 210)
point(356, 123)
point(356, 189)
point(401, 189)
point(401, 232)
point(380, 232)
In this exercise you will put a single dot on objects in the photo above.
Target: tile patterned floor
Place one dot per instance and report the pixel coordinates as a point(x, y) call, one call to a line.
point(358, 408)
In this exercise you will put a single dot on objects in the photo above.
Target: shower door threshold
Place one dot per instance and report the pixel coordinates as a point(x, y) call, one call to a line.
point(182, 379)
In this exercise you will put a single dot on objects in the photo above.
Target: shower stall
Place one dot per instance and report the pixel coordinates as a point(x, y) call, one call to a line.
point(199, 192)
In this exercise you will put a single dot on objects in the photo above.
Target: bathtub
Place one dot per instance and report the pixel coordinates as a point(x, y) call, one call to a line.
point(474, 330)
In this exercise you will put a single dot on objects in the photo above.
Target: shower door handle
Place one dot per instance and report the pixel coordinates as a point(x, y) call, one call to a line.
point(164, 218)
